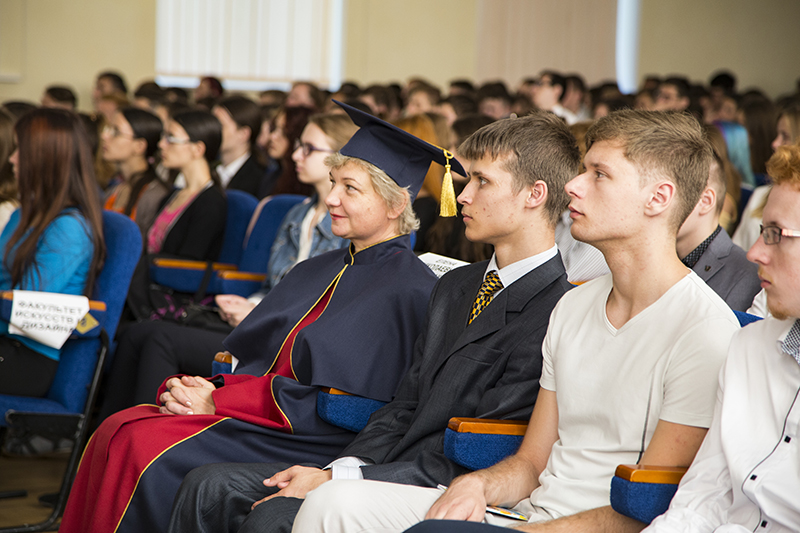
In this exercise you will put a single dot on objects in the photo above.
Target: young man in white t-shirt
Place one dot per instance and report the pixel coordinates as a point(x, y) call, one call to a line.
point(630, 359)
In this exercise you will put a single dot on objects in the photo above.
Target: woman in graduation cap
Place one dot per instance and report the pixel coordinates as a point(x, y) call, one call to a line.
point(346, 319)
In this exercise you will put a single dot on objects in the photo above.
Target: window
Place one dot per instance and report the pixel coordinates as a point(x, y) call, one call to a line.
point(250, 44)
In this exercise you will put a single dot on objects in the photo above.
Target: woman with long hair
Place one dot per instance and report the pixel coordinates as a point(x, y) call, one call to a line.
point(285, 129)
point(54, 241)
point(130, 141)
point(191, 223)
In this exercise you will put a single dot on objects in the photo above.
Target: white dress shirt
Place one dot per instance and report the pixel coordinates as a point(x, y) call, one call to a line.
point(227, 172)
point(746, 476)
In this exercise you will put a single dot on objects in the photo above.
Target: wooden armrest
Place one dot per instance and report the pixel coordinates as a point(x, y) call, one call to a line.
point(242, 276)
point(490, 426)
point(331, 390)
point(650, 474)
point(190, 265)
point(223, 357)
point(94, 305)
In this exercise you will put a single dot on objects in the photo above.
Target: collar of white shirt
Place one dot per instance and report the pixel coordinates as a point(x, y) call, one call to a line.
point(514, 271)
point(227, 172)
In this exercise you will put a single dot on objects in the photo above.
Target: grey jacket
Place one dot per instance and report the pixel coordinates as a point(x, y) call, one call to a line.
point(725, 268)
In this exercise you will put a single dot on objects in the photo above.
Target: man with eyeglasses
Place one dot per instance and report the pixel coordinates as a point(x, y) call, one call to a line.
point(746, 476)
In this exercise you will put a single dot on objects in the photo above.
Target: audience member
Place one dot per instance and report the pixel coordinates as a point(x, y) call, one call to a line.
point(575, 97)
point(272, 97)
point(462, 87)
point(379, 99)
point(422, 98)
point(305, 94)
point(150, 352)
point(286, 129)
point(643, 394)
point(150, 96)
point(239, 167)
point(672, 95)
point(130, 141)
point(106, 84)
point(738, 143)
point(54, 241)
point(493, 352)
point(426, 204)
point(733, 181)
point(494, 100)
point(9, 196)
point(326, 324)
point(548, 92)
point(456, 106)
point(60, 97)
point(759, 117)
point(707, 249)
point(191, 221)
point(209, 88)
point(17, 108)
point(746, 475)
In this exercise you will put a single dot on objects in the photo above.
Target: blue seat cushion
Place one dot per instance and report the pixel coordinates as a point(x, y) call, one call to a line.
point(479, 450)
point(641, 501)
point(344, 411)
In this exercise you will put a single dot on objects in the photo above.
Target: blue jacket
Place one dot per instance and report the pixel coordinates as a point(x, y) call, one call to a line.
point(287, 242)
point(63, 257)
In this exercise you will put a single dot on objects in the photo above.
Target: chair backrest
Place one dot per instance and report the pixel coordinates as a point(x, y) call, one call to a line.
point(262, 230)
point(78, 359)
point(240, 209)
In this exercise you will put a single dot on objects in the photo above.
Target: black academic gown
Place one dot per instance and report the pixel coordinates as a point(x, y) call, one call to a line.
point(266, 411)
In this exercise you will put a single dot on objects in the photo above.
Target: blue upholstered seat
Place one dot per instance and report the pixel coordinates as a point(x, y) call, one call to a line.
point(243, 263)
point(477, 443)
point(346, 411)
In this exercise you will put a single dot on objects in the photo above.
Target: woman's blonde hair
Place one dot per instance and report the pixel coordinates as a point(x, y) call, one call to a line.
point(392, 194)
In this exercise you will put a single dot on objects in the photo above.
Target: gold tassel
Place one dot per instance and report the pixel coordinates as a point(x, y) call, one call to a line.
point(447, 201)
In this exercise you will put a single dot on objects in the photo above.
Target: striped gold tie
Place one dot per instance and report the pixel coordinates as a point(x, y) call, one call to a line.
point(490, 285)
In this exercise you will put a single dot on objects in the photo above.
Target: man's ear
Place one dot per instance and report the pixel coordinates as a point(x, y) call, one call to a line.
point(708, 201)
point(536, 194)
point(662, 194)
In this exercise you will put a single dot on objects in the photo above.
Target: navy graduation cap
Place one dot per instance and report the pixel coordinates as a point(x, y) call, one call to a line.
point(402, 156)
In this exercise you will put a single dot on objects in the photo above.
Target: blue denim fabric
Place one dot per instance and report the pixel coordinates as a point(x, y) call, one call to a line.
point(287, 242)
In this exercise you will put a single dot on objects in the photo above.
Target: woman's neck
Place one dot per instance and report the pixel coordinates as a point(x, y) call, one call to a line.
point(132, 166)
point(197, 174)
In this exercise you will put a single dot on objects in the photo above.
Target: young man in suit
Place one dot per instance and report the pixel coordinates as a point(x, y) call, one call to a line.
point(630, 359)
point(704, 247)
point(478, 356)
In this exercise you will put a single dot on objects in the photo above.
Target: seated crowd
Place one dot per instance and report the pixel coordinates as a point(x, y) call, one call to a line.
point(611, 245)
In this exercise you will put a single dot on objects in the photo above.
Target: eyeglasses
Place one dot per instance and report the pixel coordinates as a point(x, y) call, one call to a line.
point(113, 132)
point(543, 83)
point(773, 234)
point(171, 139)
point(308, 149)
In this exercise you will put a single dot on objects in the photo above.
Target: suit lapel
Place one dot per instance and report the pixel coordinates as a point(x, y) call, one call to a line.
point(512, 299)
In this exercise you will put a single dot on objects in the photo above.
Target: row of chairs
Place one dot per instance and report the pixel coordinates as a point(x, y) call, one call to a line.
point(64, 413)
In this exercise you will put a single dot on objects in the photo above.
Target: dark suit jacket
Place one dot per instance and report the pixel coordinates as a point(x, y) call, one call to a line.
point(488, 369)
point(725, 268)
point(248, 178)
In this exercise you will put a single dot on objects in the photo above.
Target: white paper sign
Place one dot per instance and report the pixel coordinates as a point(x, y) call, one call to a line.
point(440, 264)
point(46, 317)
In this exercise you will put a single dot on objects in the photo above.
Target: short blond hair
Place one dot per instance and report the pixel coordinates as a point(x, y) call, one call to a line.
point(392, 194)
point(661, 144)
